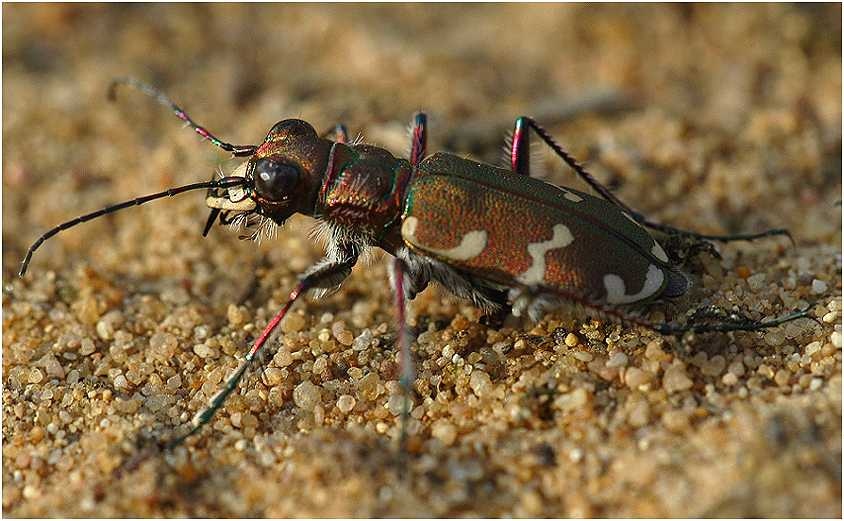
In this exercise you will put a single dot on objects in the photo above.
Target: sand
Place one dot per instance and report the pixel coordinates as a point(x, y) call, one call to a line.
point(717, 118)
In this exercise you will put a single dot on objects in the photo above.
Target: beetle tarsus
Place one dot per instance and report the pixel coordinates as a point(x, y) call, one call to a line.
point(728, 321)
point(670, 230)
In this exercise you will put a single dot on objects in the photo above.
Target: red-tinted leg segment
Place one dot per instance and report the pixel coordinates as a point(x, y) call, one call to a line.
point(520, 147)
point(340, 134)
point(419, 138)
point(406, 372)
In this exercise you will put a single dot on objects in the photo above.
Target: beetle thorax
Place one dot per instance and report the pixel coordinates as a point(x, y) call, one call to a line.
point(363, 187)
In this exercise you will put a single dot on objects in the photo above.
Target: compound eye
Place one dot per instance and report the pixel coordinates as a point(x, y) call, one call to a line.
point(274, 181)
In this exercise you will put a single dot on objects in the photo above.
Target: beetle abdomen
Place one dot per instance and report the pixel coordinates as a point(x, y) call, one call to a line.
point(518, 231)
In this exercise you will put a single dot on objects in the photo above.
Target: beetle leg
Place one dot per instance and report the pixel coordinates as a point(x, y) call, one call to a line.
point(406, 371)
point(706, 320)
point(519, 160)
point(520, 147)
point(322, 275)
point(339, 133)
point(712, 319)
point(419, 138)
point(532, 302)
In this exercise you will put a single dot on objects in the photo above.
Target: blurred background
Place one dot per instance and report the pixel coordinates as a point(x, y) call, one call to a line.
point(720, 118)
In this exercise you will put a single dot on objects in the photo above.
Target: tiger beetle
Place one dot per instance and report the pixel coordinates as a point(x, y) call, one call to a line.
point(496, 236)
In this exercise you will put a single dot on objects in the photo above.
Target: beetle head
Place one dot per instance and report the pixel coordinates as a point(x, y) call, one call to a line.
point(283, 176)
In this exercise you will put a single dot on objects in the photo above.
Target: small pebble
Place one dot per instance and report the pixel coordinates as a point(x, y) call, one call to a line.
point(249, 421)
point(53, 367)
point(571, 340)
point(320, 365)
point(163, 343)
point(105, 330)
point(480, 383)
point(30, 492)
point(292, 323)
point(819, 287)
point(346, 403)
point(203, 351)
point(675, 379)
point(306, 395)
point(635, 377)
point(283, 358)
point(396, 404)
point(583, 356)
point(654, 352)
point(156, 402)
point(813, 348)
point(638, 413)
point(573, 400)
point(756, 282)
point(532, 503)
point(274, 376)
point(816, 384)
point(363, 340)
point(835, 338)
point(444, 431)
point(368, 386)
point(174, 382)
point(86, 347)
point(72, 377)
point(36, 434)
point(617, 359)
point(766, 371)
point(736, 368)
point(341, 334)
point(675, 420)
point(714, 366)
point(235, 315)
point(35, 375)
point(774, 338)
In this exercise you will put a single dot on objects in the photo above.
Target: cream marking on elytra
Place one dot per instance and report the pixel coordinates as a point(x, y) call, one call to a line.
point(659, 253)
point(617, 292)
point(572, 197)
point(471, 245)
point(535, 274)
